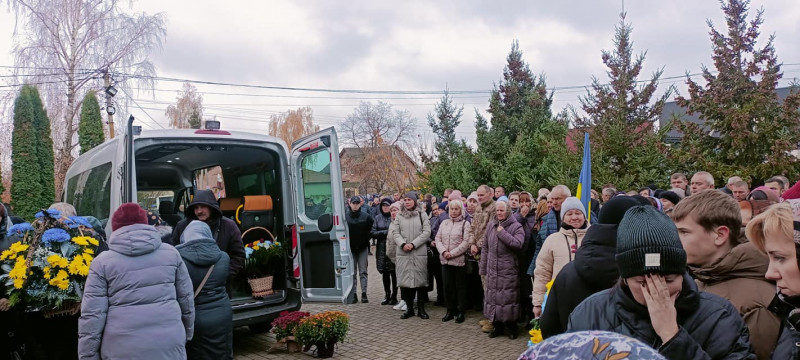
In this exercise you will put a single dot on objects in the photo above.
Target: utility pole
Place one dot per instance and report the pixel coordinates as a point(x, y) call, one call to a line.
point(110, 121)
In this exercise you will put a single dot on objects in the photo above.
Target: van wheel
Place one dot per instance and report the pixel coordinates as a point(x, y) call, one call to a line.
point(260, 327)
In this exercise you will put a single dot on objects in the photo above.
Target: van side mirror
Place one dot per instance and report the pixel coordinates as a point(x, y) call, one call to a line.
point(325, 223)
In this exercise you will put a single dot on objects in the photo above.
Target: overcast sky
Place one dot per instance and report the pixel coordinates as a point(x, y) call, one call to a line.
point(414, 46)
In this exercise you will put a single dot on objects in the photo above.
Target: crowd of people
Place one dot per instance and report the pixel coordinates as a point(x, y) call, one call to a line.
point(694, 271)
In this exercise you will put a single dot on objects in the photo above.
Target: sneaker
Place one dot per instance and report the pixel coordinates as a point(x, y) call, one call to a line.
point(404, 308)
point(400, 305)
point(487, 328)
point(484, 322)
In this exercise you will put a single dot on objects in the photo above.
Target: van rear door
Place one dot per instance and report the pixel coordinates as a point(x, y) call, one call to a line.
point(323, 249)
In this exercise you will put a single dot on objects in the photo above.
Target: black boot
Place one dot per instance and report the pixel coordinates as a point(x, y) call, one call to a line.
point(460, 317)
point(421, 310)
point(497, 329)
point(410, 312)
point(388, 299)
point(447, 317)
point(394, 297)
point(355, 299)
point(364, 299)
point(511, 330)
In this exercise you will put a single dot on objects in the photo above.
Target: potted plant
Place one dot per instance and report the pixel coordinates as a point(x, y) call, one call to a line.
point(323, 330)
point(263, 259)
point(283, 328)
point(46, 266)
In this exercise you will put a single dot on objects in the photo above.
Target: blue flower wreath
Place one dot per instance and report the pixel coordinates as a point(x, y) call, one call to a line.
point(53, 213)
point(73, 222)
point(19, 229)
point(55, 235)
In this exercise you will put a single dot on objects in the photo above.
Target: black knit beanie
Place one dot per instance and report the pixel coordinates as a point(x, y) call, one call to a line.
point(613, 210)
point(648, 242)
point(671, 196)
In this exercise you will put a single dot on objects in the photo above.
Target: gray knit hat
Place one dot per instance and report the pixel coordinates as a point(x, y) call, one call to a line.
point(572, 203)
point(648, 242)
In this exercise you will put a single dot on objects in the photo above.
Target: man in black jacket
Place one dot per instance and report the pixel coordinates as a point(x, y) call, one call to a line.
point(359, 224)
point(204, 207)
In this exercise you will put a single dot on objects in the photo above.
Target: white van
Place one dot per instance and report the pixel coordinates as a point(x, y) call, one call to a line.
point(304, 205)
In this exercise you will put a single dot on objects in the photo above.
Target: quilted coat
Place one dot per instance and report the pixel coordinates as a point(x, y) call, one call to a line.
point(500, 264)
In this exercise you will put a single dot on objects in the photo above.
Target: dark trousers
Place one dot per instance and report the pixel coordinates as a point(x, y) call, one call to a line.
point(455, 288)
point(389, 282)
point(435, 273)
point(408, 294)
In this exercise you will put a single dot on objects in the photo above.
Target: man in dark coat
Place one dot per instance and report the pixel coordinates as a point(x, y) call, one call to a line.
point(359, 225)
point(594, 268)
point(204, 207)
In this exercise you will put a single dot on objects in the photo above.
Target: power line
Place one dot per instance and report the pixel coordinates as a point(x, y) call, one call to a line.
point(139, 106)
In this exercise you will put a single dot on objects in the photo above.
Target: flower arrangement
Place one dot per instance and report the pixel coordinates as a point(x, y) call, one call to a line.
point(535, 333)
point(263, 258)
point(323, 329)
point(285, 324)
point(46, 268)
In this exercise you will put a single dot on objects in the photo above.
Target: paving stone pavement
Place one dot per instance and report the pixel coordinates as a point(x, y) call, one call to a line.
point(377, 332)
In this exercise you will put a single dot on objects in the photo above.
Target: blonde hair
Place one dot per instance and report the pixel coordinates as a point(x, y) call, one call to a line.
point(457, 204)
point(776, 221)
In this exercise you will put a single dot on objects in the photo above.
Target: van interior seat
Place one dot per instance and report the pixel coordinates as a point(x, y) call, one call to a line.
point(257, 211)
point(228, 206)
point(166, 209)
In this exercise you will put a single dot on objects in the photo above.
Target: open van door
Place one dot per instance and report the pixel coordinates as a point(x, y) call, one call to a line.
point(124, 171)
point(323, 248)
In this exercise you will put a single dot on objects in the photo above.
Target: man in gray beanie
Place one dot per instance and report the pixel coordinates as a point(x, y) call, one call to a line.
point(657, 302)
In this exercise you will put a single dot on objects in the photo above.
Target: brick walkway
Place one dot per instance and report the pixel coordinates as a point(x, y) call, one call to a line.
point(377, 332)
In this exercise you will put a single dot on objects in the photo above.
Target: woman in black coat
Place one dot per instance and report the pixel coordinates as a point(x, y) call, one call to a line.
point(657, 302)
point(213, 320)
point(380, 227)
point(776, 233)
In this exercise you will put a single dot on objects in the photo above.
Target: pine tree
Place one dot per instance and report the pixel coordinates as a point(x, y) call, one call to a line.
point(90, 129)
point(523, 131)
point(444, 123)
point(26, 172)
point(627, 150)
point(44, 148)
point(746, 131)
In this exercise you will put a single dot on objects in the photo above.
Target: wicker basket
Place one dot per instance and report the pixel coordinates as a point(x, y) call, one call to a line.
point(261, 286)
point(66, 309)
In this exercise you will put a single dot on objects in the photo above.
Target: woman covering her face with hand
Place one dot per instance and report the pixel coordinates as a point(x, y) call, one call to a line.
point(777, 234)
point(657, 302)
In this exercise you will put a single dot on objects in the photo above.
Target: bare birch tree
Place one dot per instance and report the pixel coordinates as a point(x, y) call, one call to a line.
point(292, 125)
point(187, 113)
point(65, 47)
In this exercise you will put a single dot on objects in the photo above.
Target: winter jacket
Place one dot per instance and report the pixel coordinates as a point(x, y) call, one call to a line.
point(412, 266)
point(709, 327)
point(379, 231)
point(213, 321)
point(788, 347)
point(739, 277)
point(558, 250)
point(594, 269)
point(137, 301)
point(391, 247)
point(453, 237)
point(500, 264)
point(550, 225)
point(226, 232)
point(483, 214)
point(5, 240)
point(436, 222)
point(359, 224)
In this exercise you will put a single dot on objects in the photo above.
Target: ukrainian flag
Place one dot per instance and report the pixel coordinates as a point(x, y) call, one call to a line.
point(584, 193)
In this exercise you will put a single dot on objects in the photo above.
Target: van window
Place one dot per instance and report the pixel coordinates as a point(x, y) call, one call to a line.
point(90, 192)
point(317, 188)
point(150, 200)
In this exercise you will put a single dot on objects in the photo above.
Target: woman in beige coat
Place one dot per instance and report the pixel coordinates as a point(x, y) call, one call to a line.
point(559, 249)
point(412, 231)
point(452, 241)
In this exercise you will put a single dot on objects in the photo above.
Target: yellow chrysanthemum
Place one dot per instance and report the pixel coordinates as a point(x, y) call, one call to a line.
point(18, 247)
point(256, 247)
point(88, 258)
point(93, 241)
point(6, 254)
point(88, 251)
point(46, 271)
point(20, 269)
point(536, 336)
point(18, 283)
point(56, 260)
point(81, 240)
point(60, 280)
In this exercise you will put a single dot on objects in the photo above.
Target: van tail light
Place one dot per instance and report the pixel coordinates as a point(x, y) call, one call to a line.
point(296, 259)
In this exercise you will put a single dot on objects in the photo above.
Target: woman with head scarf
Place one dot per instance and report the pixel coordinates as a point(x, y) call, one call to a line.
point(208, 269)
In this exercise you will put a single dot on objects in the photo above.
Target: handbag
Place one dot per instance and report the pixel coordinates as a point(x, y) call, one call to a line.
point(203, 283)
point(470, 262)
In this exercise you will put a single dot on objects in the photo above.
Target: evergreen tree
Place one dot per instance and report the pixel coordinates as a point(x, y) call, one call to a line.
point(444, 124)
point(26, 172)
point(90, 129)
point(746, 131)
point(523, 132)
point(44, 148)
point(627, 150)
